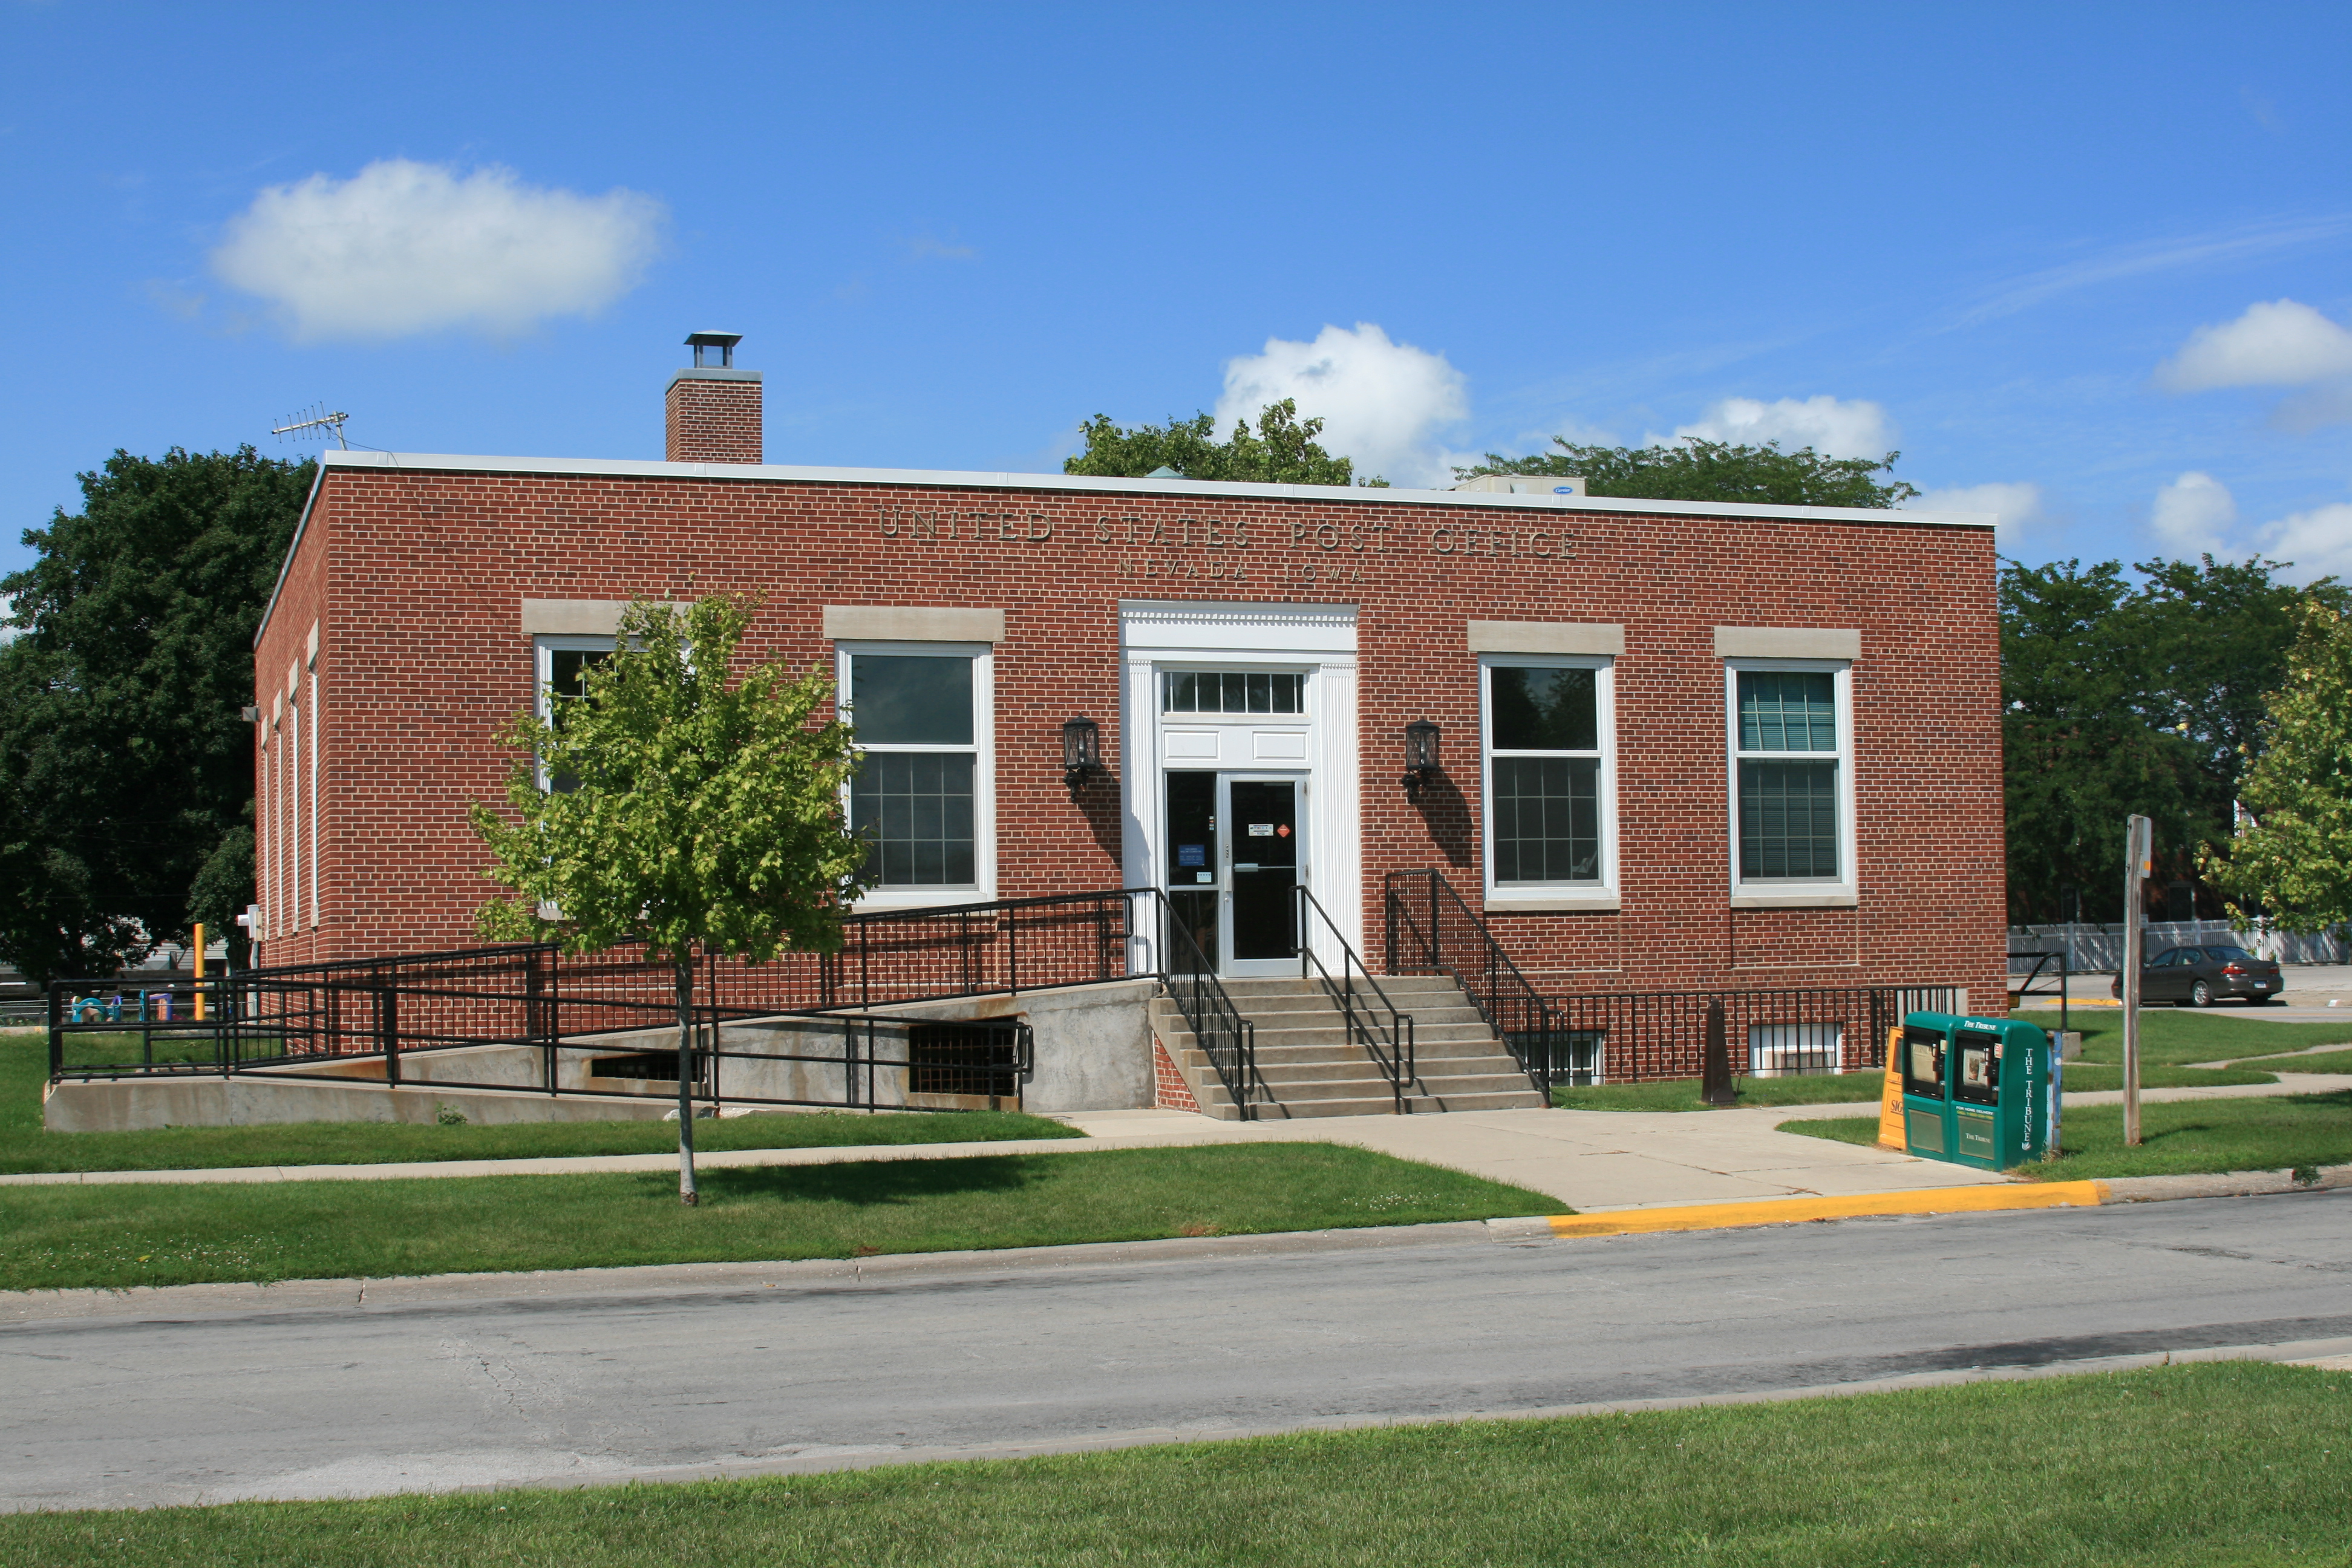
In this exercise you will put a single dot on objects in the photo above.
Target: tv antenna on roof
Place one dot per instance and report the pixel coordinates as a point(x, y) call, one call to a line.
point(315, 417)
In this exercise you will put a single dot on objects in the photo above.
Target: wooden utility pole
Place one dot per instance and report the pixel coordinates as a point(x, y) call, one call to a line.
point(2139, 862)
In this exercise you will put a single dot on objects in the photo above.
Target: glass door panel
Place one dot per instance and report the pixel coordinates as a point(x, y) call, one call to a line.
point(1193, 867)
point(1262, 833)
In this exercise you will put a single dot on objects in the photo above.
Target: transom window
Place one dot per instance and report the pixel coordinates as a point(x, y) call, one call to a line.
point(1232, 691)
point(1792, 809)
point(919, 720)
point(1549, 775)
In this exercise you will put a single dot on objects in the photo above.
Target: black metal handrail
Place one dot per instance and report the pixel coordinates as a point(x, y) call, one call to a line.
point(1223, 1036)
point(386, 1015)
point(2019, 990)
point(535, 995)
point(1397, 1065)
point(1417, 944)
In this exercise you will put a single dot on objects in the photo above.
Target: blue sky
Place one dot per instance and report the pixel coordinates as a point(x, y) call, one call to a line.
point(2095, 256)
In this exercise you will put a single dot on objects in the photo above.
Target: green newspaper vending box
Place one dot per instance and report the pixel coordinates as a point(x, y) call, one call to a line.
point(1978, 1092)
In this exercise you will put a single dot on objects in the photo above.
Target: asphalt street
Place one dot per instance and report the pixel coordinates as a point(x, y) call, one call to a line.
point(332, 1393)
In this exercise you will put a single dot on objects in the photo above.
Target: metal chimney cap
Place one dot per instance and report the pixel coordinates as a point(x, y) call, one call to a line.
point(703, 343)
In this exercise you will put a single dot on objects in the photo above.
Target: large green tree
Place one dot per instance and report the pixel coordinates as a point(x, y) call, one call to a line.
point(1693, 469)
point(2291, 859)
point(695, 813)
point(1283, 449)
point(126, 776)
point(2122, 696)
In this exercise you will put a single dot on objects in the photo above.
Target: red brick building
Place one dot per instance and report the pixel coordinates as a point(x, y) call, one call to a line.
point(1679, 746)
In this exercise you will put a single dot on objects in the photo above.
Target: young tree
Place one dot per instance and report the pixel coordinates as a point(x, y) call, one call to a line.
point(2291, 860)
point(1281, 450)
point(1693, 469)
point(686, 813)
point(124, 770)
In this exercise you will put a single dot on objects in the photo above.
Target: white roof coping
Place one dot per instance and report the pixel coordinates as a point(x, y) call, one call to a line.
point(949, 479)
point(1085, 484)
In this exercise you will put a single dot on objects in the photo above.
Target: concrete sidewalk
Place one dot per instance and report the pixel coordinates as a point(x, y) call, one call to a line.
point(1592, 1161)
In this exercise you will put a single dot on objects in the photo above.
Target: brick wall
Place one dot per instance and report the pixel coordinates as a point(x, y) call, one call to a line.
point(416, 576)
point(1170, 1090)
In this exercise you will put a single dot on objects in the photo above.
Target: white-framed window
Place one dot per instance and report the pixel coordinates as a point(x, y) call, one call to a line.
point(562, 665)
point(315, 739)
point(924, 795)
point(1549, 775)
point(1791, 735)
point(293, 769)
point(272, 847)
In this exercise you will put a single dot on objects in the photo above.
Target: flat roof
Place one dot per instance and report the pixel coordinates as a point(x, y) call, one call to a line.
point(1083, 484)
point(951, 479)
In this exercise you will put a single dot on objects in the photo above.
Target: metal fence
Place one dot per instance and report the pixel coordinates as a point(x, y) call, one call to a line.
point(395, 1019)
point(390, 1010)
point(1630, 1038)
point(2099, 948)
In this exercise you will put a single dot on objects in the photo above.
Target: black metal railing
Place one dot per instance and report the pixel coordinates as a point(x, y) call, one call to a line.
point(1628, 1038)
point(1632, 1036)
point(854, 1061)
point(2023, 990)
point(1431, 930)
point(536, 995)
point(1222, 1035)
point(1393, 1054)
point(599, 1022)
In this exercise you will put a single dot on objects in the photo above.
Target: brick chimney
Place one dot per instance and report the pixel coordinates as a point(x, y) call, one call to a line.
point(713, 409)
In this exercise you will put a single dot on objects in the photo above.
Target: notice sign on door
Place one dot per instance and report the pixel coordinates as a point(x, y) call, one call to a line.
point(1191, 855)
point(1261, 830)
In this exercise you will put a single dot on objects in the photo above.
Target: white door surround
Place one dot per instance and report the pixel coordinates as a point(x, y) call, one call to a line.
point(1317, 746)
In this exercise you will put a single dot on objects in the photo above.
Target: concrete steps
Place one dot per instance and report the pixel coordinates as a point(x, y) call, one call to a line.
point(1308, 1064)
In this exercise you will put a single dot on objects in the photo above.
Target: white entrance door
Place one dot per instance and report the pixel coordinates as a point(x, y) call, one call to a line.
point(1235, 716)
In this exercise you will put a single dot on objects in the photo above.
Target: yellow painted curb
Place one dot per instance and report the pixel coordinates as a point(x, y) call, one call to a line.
point(1791, 1211)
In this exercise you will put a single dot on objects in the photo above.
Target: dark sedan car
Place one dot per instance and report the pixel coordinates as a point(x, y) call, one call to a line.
point(2201, 976)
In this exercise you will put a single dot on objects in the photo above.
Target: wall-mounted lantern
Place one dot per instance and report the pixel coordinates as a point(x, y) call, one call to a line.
point(1420, 757)
point(1081, 753)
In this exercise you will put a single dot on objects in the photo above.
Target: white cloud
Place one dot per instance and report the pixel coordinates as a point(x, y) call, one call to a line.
point(2019, 506)
point(8, 628)
point(2281, 343)
point(1381, 402)
point(2193, 513)
point(1835, 428)
point(2320, 542)
point(403, 248)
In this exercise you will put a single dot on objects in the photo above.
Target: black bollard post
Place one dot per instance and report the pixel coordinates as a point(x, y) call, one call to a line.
point(1715, 1082)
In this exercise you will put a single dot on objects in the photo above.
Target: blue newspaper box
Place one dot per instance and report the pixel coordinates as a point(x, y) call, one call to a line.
point(1978, 1092)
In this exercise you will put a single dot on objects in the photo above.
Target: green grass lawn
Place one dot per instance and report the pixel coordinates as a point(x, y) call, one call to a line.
point(125, 1235)
point(26, 1146)
point(2170, 1035)
point(2218, 1465)
point(2183, 1138)
point(1683, 1093)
